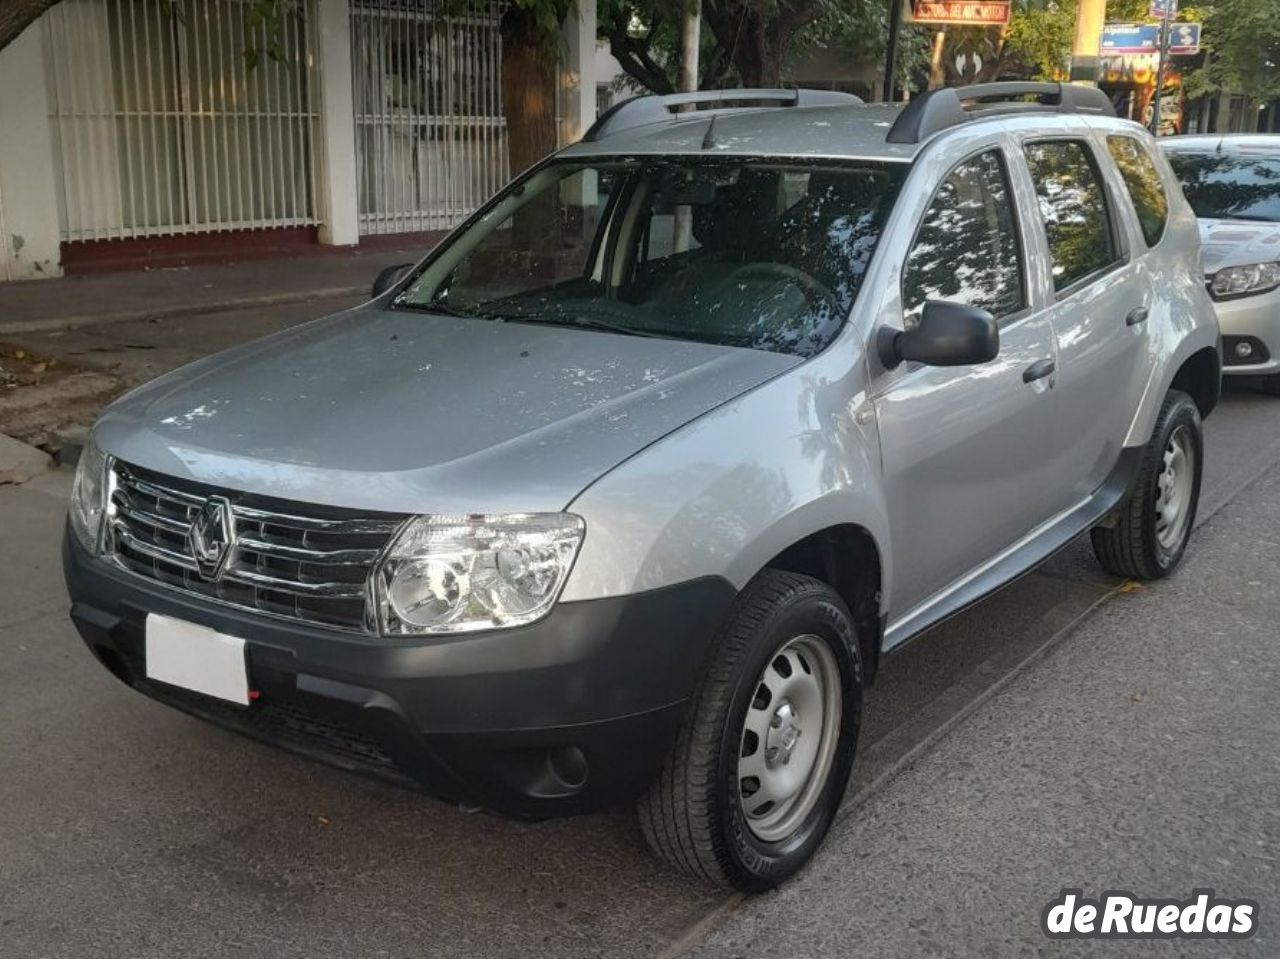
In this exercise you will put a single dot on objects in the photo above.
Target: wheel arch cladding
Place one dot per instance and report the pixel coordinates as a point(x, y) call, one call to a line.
point(1200, 377)
point(846, 558)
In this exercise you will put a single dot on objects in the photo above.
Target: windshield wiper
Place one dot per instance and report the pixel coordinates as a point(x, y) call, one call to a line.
point(591, 323)
point(435, 306)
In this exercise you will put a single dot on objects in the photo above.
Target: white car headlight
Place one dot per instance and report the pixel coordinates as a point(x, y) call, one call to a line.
point(89, 494)
point(453, 574)
point(1235, 281)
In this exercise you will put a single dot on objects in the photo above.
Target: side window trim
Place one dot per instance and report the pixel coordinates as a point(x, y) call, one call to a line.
point(1120, 244)
point(999, 149)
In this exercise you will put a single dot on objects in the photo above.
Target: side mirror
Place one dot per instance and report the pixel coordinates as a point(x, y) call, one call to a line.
point(389, 278)
point(948, 334)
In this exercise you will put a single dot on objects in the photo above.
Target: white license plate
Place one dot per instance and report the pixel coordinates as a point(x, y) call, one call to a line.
point(196, 658)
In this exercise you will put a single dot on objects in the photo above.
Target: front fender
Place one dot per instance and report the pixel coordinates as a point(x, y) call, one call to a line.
point(725, 494)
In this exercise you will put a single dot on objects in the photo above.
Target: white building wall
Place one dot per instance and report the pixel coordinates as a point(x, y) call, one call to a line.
point(29, 240)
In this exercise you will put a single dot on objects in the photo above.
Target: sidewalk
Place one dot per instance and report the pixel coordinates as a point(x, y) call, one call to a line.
point(41, 305)
point(68, 347)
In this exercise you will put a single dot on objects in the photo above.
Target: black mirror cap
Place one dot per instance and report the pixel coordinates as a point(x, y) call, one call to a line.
point(948, 334)
point(389, 278)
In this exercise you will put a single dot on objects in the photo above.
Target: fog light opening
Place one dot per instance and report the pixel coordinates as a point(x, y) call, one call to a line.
point(569, 765)
point(1244, 349)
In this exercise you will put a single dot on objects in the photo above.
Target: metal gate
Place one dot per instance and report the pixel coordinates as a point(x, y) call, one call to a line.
point(161, 127)
point(431, 141)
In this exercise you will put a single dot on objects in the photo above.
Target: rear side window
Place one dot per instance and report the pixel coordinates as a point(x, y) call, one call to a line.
point(1073, 206)
point(1143, 183)
point(967, 247)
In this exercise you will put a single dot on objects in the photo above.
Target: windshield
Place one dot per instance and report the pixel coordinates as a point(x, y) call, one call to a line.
point(767, 255)
point(1225, 186)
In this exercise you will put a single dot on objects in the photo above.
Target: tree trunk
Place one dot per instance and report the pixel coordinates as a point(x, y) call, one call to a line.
point(528, 89)
point(17, 15)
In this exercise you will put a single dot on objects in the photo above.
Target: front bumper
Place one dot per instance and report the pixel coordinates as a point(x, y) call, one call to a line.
point(569, 714)
point(1257, 319)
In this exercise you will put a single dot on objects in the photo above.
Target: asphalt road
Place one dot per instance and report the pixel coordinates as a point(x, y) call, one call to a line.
point(1065, 732)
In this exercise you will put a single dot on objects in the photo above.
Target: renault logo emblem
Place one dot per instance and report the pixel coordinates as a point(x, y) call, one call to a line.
point(211, 537)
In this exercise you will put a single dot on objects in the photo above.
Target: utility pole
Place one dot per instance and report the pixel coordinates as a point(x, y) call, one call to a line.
point(938, 70)
point(1163, 55)
point(1084, 55)
point(891, 51)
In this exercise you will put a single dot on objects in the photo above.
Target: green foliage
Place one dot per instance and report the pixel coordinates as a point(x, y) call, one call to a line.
point(859, 29)
point(644, 36)
point(1040, 38)
point(1242, 42)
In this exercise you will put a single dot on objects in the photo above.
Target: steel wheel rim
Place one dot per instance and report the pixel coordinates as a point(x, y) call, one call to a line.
point(1174, 487)
point(789, 738)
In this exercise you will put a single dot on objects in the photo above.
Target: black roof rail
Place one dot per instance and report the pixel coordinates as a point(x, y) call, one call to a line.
point(937, 110)
point(640, 111)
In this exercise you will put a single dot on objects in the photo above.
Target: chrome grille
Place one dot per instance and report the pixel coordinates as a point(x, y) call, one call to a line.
point(306, 563)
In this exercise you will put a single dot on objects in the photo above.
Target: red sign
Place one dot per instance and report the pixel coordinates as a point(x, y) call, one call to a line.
point(960, 11)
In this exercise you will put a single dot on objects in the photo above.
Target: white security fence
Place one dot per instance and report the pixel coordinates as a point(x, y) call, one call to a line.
point(431, 141)
point(160, 127)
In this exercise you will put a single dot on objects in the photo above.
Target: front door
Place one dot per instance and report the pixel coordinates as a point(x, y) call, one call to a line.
point(964, 448)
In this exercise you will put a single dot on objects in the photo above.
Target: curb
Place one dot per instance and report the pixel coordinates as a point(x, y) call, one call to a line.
point(173, 312)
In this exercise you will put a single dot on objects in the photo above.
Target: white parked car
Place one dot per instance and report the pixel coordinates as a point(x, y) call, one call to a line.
point(1233, 184)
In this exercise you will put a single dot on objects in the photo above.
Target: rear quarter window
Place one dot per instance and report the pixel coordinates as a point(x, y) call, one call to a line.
point(1142, 182)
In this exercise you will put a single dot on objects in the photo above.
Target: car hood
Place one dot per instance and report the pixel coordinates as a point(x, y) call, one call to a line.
point(390, 410)
point(1237, 243)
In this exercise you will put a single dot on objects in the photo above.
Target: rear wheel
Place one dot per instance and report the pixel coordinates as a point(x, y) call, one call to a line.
point(761, 762)
point(1150, 530)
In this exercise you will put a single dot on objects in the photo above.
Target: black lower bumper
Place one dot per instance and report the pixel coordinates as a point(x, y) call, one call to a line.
point(566, 715)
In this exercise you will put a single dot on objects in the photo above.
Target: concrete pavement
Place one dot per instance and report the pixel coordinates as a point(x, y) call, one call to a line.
point(1061, 733)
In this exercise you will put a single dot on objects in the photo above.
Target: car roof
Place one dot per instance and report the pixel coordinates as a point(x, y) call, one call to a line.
point(1238, 143)
point(852, 131)
point(817, 124)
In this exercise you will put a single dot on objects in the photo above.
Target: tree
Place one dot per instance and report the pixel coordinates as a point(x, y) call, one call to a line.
point(749, 42)
point(17, 15)
point(530, 52)
point(1242, 44)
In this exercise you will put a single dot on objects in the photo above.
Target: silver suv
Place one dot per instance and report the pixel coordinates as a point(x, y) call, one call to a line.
point(625, 490)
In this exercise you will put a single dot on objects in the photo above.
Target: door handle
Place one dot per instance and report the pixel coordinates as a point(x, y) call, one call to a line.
point(1137, 315)
point(1038, 370)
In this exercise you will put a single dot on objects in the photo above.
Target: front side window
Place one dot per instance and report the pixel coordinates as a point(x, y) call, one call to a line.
point(1143, 183)
point(1073, 207)
point(966, 249)
point(1225, 186)
point(759, 254)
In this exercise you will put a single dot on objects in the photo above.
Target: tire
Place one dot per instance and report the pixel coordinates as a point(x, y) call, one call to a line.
point(695, 815)
point(1143, 542)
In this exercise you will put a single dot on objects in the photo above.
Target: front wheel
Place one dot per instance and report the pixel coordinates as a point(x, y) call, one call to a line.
point(1150, 529)
point(761, 762)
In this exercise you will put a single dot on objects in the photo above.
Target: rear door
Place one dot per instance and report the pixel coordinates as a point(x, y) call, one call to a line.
point(1100, 296)
point(963, 448)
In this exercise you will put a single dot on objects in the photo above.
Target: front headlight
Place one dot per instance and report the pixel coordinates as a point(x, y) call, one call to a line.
point(1233, 281)
point(453, 574)
point(89, 497)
